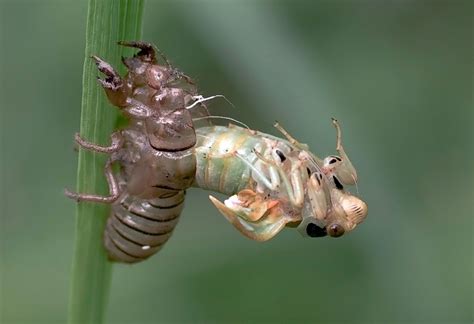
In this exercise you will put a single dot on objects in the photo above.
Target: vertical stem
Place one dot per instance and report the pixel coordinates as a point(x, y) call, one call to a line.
point(108, 21)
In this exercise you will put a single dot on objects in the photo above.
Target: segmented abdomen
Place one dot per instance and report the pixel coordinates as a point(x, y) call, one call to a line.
point(219, 152)
point(153, 184)
point(138, 228)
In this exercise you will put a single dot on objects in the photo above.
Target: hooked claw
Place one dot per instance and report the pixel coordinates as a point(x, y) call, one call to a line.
point(147, 51)
point(112, 80)
point(113, 84)
point(254, 217)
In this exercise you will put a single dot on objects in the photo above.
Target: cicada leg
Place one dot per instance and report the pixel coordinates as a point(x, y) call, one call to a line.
point(116, 139)
point(290, 138)
point(147, 51)
point(147, 54)
point(114, 192)
point(116, 89)
point(294, 185)
point(250, 205)
point(272, 183)
point(293, 141)
point(345, 171)
point(262, 229)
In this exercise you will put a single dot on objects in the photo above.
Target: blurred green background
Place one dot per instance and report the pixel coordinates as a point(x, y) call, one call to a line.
point(397, 74)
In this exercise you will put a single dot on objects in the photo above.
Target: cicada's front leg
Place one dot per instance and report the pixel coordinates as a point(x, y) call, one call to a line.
point(252, 215)
point(248, 205)
point(115, 87)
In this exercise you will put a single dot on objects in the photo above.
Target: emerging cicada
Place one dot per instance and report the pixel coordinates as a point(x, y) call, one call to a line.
point(272, 182)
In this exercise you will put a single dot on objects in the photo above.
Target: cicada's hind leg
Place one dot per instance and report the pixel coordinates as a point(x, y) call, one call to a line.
point(114, 192)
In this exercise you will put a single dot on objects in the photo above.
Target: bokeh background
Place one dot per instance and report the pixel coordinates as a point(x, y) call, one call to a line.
point(397, 74)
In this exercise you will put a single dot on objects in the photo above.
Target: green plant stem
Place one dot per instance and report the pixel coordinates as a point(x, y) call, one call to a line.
point(108, 21)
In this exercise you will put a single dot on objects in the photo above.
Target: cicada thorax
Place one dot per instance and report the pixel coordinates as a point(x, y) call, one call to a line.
point(157, 161)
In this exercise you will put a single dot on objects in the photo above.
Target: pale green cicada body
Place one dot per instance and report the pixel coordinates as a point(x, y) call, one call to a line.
point(270, 182)
point(275, 183)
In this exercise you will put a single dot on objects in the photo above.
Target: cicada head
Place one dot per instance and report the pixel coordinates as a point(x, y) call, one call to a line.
point(338, 215)
point(347, 211)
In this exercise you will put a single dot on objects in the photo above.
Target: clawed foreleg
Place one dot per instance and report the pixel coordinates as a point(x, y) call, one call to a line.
point(257, 219)
point(147, 51)
point(115, 88)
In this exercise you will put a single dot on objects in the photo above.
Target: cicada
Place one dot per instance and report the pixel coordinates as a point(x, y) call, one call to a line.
point(271, 182)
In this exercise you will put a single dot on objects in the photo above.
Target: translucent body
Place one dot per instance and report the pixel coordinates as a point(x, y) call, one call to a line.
point(272, 183)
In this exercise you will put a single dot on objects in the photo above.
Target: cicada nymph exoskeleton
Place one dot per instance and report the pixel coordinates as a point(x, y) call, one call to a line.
point(155, 153)
point(272, 182)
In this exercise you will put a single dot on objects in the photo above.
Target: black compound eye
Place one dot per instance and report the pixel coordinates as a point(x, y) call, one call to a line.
point(281, 155)
point(337, 183)
point(332, 161)
point(314, 230)
point(309, 171)
point(335, 230)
